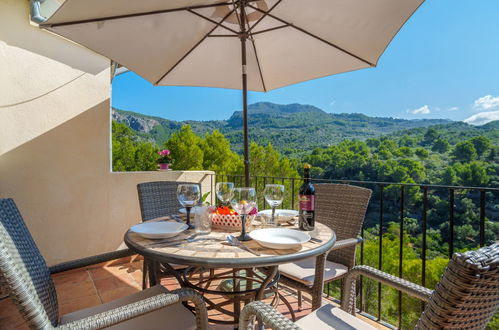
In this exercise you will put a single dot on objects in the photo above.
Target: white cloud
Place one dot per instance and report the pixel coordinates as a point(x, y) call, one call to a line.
point(453, 109)
point(487, 102)
point(332, 103)
point(420, 111)
point(482, 118)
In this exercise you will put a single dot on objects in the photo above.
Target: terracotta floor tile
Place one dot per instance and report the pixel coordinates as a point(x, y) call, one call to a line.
point(7, 308)
point(115, 282)
point(70, 278)
point(66, 292)
point(137, 264)
point(79, 303)
point(122, 267)
point(169, 283)
point(9, 324)
point(10, 318)
point(137, 276)
point(109, 295)
point(99, 273)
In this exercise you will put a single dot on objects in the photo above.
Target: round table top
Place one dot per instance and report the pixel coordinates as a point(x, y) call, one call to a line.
point(213, 251)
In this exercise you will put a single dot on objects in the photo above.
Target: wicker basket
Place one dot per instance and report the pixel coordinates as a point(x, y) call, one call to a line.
point(227, 222)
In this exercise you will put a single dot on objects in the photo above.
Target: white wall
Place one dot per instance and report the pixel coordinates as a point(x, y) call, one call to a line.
point(54, 143)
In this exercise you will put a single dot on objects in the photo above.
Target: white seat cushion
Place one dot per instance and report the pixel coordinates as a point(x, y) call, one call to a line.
point(171, 317)
point(304, 270)
point(331, 317)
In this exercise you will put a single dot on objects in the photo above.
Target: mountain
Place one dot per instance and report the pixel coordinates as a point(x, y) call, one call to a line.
point(290, 127)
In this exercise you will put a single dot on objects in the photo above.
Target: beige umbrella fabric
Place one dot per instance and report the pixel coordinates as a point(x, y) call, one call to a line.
point(297, 41)
point(254, 45)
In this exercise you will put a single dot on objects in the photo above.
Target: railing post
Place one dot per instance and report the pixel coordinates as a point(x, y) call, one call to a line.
point(423, 232)
point(401, 251)
point(380, 257)
point(211, 188)
point(361, 262)
point(482, 218)
point(451, 222)
point(264, 184)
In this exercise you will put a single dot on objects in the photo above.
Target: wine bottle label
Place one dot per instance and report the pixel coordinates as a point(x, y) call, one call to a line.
point(307, 202)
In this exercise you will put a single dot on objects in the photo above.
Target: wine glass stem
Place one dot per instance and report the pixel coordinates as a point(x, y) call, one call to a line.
point(243, 225)
point(188, 210)
point(272, 219)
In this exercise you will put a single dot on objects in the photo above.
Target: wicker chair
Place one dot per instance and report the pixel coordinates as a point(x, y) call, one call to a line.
point(342, 208)
point(26, 277)
point(158, 199)
point(466, 297)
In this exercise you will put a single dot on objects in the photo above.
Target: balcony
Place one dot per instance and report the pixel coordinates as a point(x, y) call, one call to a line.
point(55, 162)
point(96, 284)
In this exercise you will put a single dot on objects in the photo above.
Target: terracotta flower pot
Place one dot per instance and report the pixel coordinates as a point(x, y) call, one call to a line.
point(164, 166)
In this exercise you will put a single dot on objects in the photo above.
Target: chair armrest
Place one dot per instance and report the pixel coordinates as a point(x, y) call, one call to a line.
point(79, 263)
point(145, 306)
point(412, 289)
point(346, 243)
point(265, 314)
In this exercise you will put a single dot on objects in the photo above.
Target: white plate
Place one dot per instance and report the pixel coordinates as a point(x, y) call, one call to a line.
point(281, 215)
point(280, 238)
point(163, 229)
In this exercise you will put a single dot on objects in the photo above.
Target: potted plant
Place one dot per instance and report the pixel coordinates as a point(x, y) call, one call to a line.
point(164, 159)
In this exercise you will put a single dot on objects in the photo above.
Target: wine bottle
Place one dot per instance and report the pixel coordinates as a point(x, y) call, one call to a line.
point(306, 198)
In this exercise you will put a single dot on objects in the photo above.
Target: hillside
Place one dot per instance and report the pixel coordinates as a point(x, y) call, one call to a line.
point(292, 128)
point(457, 131)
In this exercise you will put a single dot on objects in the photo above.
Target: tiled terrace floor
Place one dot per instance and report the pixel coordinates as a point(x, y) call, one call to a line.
point(90, 286)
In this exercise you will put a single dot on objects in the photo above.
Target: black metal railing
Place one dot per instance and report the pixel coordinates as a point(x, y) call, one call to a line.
point(412, 198)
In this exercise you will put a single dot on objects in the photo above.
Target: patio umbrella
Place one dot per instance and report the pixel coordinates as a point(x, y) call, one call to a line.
point(254, 45)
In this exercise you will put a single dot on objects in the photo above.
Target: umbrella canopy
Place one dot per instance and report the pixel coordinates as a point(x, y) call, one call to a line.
point(254, 45)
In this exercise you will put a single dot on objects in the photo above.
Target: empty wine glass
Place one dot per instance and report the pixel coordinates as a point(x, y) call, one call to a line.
point(243, 202)
point(188, 195)
point(274, 194)
point(225, 191)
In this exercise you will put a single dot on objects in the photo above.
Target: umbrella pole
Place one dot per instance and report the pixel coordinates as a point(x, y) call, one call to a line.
point(243, 36)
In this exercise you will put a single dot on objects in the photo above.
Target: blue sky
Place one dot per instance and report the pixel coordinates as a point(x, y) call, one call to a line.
point(444, 63)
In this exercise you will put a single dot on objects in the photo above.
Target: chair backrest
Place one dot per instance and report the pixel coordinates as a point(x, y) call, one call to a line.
point(342, 208)
point(23, 271)
point(467, 295)
point(159, 199)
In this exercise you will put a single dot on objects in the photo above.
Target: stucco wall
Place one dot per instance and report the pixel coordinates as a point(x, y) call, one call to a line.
point(54, 143)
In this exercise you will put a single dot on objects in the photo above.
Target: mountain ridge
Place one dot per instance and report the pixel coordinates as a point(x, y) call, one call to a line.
point(287, 127)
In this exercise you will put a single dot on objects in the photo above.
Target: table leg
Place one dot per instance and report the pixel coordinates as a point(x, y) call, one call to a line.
point(239, 295)
point(153, 272)
point(174, 273)
point(237, 301)
point(271, 273)
point(249, 282)
point(145, 265)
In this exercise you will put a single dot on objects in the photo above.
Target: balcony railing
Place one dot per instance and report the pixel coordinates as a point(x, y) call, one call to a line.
point(393, 202)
